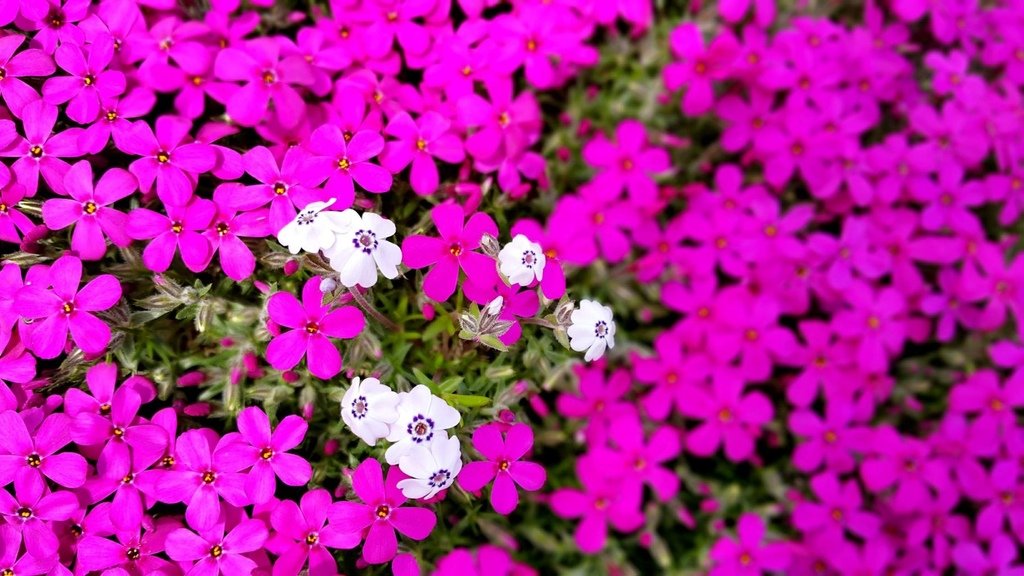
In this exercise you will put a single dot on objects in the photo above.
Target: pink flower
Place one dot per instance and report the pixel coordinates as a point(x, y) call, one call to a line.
point(599, 503)
point(31, 510)
point(381, 512)
point(600, 399)
point(628, 164)
point(419, 143)
point(65, 308)
point(309, 535)
point(32, 62)
point(875, 321)
point(135, 550)
point(89, 83)
point(169, 158)
point(40, 151)
point(225, 237)
point(13, 223)
point(838, 509)
point(89, 210)
point(503, 465)
point(11, 556)
point(505, 126)
point(206, 474)
point(905, 463)
point(212, 552)
point(699, 67)
point(453, 250)
point(181, 230)
point(119, 429)
point(267, 78)
point(562, 242)
point(312, 323)
point(646, 457)
point(746, 554)
point(728, 416)
point(287, 189)
point(268, 455)
point(35, 454)
point(342, 159)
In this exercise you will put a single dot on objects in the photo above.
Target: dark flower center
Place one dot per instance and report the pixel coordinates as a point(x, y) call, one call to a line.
point(24, 512)
point(455, 249)
point(601, 329)
point(360, 407)
point(111, 115)
point(118, 432)
point(68, 307)
point(439, 478)
point(421, 428)
point(267, 453)
point(209, 477)
point(177, 227)
point(421, 144)
point(269, 77)
point(128, 478)
point(383, 511)
point(280, 188)
point(133, 554)
point(167, 461)
point(89, 207)
point(75, 530)
point(529, 258)
point(216, 551)
point(344, 164)
point(312, 538)
point(36, 151)
point(503, 464)
point(222, 228)
point(312, 327)
point(104, 409)
point(163, 157)
point(34, 460)
point(89, 80)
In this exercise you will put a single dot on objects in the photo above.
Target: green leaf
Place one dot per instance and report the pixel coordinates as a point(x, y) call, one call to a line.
point(467, 400)
point(422, 378)
point(493, 342)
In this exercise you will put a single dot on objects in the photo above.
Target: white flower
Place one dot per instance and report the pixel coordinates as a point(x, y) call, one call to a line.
point(369, 408)
point(361, 249)
point(592, 329)
point(312, 229)
point(431, 467)
point(522, 260)
point(421, 417)
point(494, 306)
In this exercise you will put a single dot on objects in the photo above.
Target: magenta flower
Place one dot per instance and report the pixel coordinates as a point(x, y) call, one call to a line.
point(65, 308)
point(699, 66)
point(729, 417)
point(830, 440)
point(225, 237)
point(505, 126)
point(629, 163)
point(599, 503)
point(17, 65)
point(837, 510)
point(503, 465)
point(180, 230)
point(305, 527)
point(268, 455)
point(89, 210)
point(646, 456)
point(115, 119)
point(312, 323)
point(1003, 501)
point(134, 552)
point(875, 321)
point(35, 454)
point(40, 151)
point(747, 554)
point(732, 11)
point(212, 552)
point(906, 464)
point(205, 474)
point(342, 159)
point(515, 304)
point(11, 556)
point(32, 508)
point(600, 399)
point(13, 223)
point(562, 241)
point(267, 78)
point(453, 250)
point(89, 83)
point(169, 158)
point(287, 188)
point(118, 475)
point(119, 429)
point(994, 402)
point(419, 143)
point(381, 512)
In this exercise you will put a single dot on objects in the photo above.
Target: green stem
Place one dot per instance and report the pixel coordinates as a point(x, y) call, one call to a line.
point(369, 309)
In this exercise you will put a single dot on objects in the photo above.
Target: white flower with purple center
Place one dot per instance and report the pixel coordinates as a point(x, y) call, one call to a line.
point(592, 329)
point(313, 228)
point(361, 249)
point(421, 417)
point(369, 408)
point(431, 467)
point(522, 260)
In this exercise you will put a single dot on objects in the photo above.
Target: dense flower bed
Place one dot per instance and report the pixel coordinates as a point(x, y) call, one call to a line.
point(531, 287)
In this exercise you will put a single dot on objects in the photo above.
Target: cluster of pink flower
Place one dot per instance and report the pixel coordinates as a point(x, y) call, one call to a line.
point(881, 222)
point(871, 230)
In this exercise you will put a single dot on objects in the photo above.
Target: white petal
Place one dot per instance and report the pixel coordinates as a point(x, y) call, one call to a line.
point(414, 489)
point(417, 461)
point(381, 226)
point(388, 256)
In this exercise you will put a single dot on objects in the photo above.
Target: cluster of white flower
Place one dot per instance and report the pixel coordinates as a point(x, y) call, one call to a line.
point(416, 421)
point(355, 245)
point(522, 261)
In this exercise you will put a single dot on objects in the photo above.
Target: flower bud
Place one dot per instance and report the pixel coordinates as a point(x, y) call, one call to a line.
point(490, 245)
